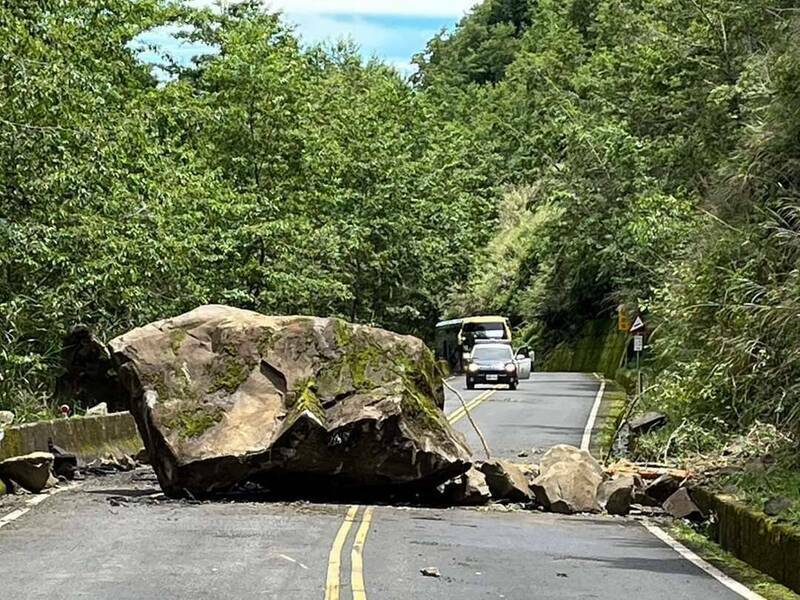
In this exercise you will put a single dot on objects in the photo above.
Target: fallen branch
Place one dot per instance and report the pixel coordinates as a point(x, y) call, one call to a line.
point(646, 471)
point(469, 417)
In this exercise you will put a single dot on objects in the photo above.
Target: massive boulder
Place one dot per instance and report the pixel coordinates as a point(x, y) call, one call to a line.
point(222, 396)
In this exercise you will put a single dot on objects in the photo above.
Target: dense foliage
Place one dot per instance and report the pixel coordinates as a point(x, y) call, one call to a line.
point(264, 175)
point(650, 152)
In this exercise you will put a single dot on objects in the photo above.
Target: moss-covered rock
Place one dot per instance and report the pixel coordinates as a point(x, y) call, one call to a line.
point(223, 395)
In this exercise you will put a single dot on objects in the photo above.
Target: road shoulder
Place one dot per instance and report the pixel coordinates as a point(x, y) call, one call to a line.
point(612, 408)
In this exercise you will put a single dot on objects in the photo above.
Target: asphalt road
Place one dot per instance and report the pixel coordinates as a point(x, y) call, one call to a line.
point(550, 409)
point(110, 538)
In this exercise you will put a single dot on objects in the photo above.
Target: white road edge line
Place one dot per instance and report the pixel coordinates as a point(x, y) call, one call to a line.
point(587, 432)
point(30, 503)
point(693, 558)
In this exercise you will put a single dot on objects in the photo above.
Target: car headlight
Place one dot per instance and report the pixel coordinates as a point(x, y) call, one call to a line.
point(472, 368)
point(511, 367)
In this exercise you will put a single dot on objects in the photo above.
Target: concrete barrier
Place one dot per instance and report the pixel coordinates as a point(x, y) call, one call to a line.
point(752, 537)
point(86, 437)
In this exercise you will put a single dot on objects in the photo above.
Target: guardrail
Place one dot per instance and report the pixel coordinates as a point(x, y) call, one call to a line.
point(752, 537)
point(86, 437)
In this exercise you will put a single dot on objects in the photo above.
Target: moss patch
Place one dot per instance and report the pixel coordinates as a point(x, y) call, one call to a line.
point(176, 339)
point(266, 341)
point(360, 359)
point(195, 421)
point(229, 374)
point(598, 349)
point(304, 398)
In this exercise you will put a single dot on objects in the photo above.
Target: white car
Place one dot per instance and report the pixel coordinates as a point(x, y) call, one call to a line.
point(494, 362)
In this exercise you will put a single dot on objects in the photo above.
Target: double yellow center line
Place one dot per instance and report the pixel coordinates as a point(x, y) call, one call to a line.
point(333, 582)
point(461, 412)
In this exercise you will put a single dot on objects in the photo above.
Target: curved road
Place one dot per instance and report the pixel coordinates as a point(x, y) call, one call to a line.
point(111, 538)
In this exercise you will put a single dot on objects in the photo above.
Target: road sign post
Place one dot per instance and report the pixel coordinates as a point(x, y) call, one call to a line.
point(638, 329)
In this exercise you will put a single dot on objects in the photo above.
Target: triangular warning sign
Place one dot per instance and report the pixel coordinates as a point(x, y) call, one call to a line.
point(638, 325)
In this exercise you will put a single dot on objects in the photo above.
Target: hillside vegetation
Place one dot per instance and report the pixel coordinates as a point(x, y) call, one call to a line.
point(650, 156)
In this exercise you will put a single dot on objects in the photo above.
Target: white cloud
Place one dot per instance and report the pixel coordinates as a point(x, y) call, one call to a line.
point(417, 8)
point(372, 36)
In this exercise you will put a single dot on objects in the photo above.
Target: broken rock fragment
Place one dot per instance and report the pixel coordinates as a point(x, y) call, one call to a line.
point(778, 505)
point(506, 481)
point(568, 481)
point(662, 488)
point(681, 506)
point(649, 421)
point(6, 418)
point(469, 489)
point(223, 396)
point(616, 496)
point(31, 471)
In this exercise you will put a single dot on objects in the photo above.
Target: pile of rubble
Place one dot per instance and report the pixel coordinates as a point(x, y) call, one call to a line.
point(229, 401)
point(569, 480)
point(39, 471)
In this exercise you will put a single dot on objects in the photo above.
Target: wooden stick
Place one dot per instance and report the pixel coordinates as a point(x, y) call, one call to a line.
point(469, 416)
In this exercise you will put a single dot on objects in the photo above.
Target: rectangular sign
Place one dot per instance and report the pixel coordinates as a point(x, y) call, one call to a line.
point(638, 343)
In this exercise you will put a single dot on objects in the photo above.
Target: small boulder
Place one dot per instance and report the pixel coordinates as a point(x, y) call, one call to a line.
point(506, 481)
point(649, 421)
point(470, 489)
point(31, 471)
point(616, 496)
point(758, 465)
point(98, 410)
point(142, 457)
point(6, 418)
point(776, 506)
point(568, 487)
point(568, 481)
point(65, 465)
point(641, 498)
point(564, 452)
point(681, 506)
point(662, 488)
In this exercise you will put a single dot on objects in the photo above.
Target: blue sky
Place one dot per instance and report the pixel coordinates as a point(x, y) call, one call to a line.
point(393, 31)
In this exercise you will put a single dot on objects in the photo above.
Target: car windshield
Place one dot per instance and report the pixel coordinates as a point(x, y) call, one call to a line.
point(485, 331)
point(490, 353)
